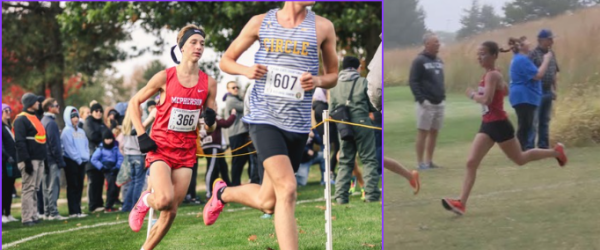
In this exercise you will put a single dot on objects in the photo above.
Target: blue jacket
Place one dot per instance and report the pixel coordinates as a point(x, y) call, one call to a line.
point(103, 156)
point(523, 88)
point(74, 140)
point(53, 143)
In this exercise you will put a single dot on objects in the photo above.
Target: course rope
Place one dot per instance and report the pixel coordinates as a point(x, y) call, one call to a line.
point(223, 155)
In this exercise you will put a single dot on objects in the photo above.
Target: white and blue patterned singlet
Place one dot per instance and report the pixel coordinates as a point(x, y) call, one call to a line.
point(294, 48)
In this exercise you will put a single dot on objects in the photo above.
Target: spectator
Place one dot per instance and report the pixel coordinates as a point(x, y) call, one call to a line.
point(151, 109)
point(108, 159)
point(30, 139)
point(427, 85)
point(110, 118)
point(256, 165)
point(136, 160)
point(55, 161)
point(39, 113)
point(84, 112)
point(364, 142)
point(121, 108)
point(238, 133)
point(10, 172)
point(76, 156)
point(94, 129)
point(541, 120)
point(150, 105)
point(311, 157)
point(320, 99)
point(525, 92)
point(212, 145)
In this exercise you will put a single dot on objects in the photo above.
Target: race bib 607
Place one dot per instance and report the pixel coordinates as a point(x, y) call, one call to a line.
point(284, 82)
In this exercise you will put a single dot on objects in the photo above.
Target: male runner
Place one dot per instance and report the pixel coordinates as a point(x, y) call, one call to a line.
point(184, 91)
point(285, 70)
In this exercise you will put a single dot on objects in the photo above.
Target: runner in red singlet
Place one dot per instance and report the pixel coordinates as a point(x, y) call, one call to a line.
point(495, 127)
point(184, 92)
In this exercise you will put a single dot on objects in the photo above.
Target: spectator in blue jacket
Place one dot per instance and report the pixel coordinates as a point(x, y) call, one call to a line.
point(76, 156)
point(525, 86)
point(107, 158)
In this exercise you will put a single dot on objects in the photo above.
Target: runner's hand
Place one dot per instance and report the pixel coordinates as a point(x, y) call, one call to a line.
point(308, 81)
point(256, 72)
point(146, 143)
point(470, 93)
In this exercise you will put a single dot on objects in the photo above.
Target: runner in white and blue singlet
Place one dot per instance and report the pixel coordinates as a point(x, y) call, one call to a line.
point(285, 70)
point(300, 52)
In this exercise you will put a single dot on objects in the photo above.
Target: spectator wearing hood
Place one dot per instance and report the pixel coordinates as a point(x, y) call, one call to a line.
point(350, 81)
point(94, 128)
point(76, 156)
point(110, 118)
point(107, 158)
point(30, 140)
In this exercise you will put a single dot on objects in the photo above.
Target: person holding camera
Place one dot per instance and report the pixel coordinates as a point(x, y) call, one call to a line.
point(107, 158)
point(351, 91)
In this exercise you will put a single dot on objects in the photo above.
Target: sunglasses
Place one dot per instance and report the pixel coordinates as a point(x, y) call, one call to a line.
point(235, 87)
point(54, 106)
point(97, 110)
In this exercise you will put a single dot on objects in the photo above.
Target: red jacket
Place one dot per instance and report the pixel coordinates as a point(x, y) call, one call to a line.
point(213, 140)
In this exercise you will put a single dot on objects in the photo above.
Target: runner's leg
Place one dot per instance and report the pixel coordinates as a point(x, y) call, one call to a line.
point(480, 147)
point(170, 188)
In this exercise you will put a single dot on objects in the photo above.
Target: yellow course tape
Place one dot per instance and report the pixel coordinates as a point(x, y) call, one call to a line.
point(222, 155)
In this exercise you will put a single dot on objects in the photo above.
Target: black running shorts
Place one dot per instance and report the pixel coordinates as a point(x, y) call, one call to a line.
point(498, 131)
point(270, 141)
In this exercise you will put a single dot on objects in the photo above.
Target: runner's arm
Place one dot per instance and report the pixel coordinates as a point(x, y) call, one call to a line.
point(330, 61)
point(156, 84)
point(246, 38)
point(491, 82)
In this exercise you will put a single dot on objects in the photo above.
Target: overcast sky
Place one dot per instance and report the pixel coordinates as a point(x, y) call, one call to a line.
point(444, 15)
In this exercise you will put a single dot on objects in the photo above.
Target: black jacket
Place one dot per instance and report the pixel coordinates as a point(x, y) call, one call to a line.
point(27, 149)
point(94, 129)
point(427, 79)
point(53, 142)
point(8, 150)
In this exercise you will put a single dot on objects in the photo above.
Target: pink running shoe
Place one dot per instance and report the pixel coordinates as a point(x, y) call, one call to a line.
point(214, 206)
point(138, 213)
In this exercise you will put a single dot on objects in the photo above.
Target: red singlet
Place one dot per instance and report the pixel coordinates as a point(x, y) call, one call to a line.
point(494, 111)
point(174, 129)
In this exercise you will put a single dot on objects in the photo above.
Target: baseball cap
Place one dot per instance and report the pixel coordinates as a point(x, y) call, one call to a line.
point(546, 33)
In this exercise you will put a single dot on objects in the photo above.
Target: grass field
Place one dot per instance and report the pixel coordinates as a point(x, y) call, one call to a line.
point(536, 206)
point(355, 226)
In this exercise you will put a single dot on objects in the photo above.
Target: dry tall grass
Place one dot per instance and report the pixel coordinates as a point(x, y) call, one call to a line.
point(577, 111)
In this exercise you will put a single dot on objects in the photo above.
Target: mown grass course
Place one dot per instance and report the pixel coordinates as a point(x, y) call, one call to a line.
point(356, 226)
